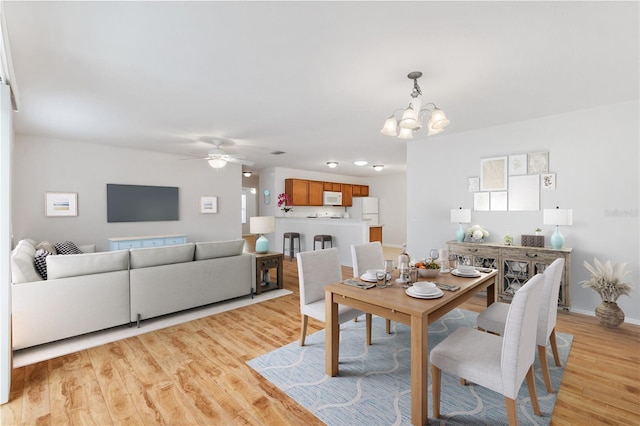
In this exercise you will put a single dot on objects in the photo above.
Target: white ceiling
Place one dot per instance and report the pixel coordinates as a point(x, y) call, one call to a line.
point(313, 79)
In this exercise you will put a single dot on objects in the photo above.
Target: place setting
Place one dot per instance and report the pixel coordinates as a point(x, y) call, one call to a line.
point(424, 290)
point(465, 271)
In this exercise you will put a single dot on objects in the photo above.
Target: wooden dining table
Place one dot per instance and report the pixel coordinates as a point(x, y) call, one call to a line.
point(394, 304)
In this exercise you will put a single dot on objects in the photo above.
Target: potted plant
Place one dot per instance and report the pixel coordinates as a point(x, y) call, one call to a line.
point(508, 240)
point(477, 233)
point(285, 201)
point(606, 280)
point(538, 231)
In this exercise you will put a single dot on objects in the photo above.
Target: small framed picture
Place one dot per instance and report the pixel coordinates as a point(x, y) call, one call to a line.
point(208, 204)
point(493, 174)
point(518, 164)
point(473, 184)
point(548, 181)
point(538, 163)
point(58, 204)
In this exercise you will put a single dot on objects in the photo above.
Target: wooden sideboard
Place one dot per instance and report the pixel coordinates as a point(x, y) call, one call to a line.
point(516, 264)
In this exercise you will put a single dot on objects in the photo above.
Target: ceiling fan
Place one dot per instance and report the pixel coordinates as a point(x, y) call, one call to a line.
point(219, 158)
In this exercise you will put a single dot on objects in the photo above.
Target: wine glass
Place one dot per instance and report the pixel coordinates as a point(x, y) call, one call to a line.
point(434, 254)
point(389, 267)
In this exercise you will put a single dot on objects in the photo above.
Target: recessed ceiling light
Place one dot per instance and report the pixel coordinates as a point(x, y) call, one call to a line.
point(361, 163)
point(378, 167)
point(246, 174)
point(332, 164)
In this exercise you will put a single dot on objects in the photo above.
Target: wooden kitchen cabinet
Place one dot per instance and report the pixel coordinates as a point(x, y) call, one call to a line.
point(347, 194)
point(360, 190)
point(298, 190)
point(315, 193)
point(375, 234)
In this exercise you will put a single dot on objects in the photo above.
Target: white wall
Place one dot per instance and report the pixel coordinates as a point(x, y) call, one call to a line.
point(595, 155)
point(42, 165)
point(391, 190)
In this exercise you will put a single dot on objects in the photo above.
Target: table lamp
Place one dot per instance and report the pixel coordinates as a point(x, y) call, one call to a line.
point(557, 217)
point(460, 216)
point(262, 225)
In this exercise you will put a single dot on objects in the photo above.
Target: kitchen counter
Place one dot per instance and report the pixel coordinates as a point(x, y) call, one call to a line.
point(344, 233)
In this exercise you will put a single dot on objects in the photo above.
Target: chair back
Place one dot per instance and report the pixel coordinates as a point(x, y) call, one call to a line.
point(315, 270)
point(519, 340)
point(549, 301)
point(366, 256)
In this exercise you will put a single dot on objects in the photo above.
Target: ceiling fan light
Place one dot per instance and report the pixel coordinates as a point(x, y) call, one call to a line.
point(439, 119)
point(217, 163)
point(405, 134)
point(390, 127)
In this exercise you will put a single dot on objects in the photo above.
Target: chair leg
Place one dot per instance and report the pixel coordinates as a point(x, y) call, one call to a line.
point(303, 332)
point(531, 383)
point(388, 325)
point(542, 354)
point(368, 327)
point(554, 348)
point(435, 389)
point(512, 413)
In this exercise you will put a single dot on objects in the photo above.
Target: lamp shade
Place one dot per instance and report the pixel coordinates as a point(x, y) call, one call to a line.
point(461, 215)
point(390, 127)
point(262, 224)
point(217, 163)
point(563, 217)
point(405, 133)
point(438, 119)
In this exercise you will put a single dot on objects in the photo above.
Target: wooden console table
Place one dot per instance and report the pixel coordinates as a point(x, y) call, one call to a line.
point(516, 264)
point(265, 262)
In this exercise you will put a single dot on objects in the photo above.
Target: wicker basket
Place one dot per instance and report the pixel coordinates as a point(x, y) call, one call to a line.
point(532, 240)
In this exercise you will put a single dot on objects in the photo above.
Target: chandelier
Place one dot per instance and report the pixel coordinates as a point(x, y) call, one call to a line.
point(413, 115)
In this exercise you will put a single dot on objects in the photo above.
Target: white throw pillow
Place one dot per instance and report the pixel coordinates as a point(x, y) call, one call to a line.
point(23, 268)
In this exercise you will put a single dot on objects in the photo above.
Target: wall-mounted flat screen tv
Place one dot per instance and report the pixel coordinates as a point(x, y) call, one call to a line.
point(139, 203)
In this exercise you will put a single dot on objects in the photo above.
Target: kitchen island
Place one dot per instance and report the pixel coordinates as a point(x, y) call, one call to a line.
point(344, 233)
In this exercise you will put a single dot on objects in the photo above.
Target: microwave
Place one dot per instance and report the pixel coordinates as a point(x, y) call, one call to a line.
point(331, 198)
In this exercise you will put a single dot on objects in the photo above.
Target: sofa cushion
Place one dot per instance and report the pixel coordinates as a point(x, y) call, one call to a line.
point(67, 247)
point(40, 261)
point(46, 245)
point(165, 255)
point(64, 266)
point(23, 269)
point(215, 249)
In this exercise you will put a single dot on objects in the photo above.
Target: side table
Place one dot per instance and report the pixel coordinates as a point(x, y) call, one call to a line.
point(265, 262)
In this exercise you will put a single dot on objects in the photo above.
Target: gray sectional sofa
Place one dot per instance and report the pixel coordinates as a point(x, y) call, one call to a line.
point(93, 291)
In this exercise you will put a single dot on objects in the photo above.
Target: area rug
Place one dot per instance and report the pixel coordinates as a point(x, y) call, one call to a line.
point(373, 387)
point(51, 350)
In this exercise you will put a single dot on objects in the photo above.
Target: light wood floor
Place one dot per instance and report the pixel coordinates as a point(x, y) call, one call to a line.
point(195, 373)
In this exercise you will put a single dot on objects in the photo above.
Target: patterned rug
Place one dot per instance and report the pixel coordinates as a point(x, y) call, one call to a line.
point(373, 387)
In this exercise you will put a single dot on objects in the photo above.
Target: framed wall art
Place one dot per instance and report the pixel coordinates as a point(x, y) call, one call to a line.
point(473, 184)
point(548, 181)
point(58, 204)
point(481, 201)
point(208, 204)
point(498, 201)
point(518, 164)
point(538, 162)
point(493, 174)
point(524, 192)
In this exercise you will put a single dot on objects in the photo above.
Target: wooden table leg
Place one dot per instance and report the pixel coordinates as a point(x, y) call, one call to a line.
point(332, 335)
point(419, 370)
point(491, 293)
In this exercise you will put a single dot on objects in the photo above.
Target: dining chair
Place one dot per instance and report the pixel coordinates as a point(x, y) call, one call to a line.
point(499, 363)
point(368, 256)
point(493, 319)
point(315, 270)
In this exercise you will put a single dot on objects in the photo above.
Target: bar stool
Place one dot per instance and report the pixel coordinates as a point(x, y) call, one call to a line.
point(292, 236)
point(322, 239)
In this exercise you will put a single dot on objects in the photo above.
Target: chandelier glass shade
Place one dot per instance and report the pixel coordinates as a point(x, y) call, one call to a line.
point(217, 163)
point(412, 116)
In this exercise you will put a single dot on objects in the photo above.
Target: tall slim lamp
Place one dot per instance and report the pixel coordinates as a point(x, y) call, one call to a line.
point(557, 217)
point(262, 225)
point(460, 216)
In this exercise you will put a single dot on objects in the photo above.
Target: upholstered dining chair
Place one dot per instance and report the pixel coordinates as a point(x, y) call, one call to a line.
point(368, 256)
point(494, 318)
point(499, 363)
point(315, 270)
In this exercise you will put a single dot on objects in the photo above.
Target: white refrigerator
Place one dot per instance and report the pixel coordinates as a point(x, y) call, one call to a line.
point(365, 208)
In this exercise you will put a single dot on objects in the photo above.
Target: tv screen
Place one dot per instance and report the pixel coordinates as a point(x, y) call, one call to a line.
point(139, 203)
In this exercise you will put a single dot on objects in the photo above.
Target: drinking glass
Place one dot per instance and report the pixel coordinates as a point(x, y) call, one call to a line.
point(434, 254)
point(389, 267)
point(381, 279)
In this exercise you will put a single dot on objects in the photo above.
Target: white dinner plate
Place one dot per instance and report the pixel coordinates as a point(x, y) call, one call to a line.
point(368, 278)
point(457, 273)
point(412, 293)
